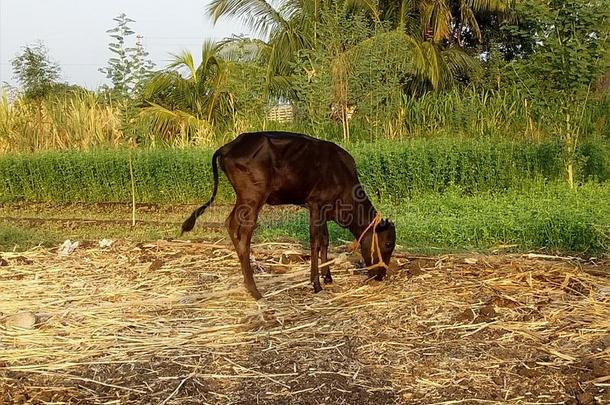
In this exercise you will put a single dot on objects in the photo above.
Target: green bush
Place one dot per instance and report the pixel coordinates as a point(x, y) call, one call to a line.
point(393, 170)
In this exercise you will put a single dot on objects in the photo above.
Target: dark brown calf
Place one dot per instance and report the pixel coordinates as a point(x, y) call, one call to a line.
point(287, 168)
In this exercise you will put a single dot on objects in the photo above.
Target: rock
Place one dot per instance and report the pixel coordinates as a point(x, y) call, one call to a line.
point(22, 260)
point(486, 313)
point(22, 320)
point(67, 247)
point(599, 368)
point(105, 243)
point(528, 371)
point(466, 316)
point(3, 262)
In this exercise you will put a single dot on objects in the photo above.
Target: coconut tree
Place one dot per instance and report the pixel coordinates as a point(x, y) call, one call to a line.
point(282, 30)
point(290, 26)
point(448, 21)
point(435, 35)
point(190, 98)
point(445, 29)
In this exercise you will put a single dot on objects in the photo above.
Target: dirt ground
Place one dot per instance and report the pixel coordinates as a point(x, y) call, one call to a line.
point(169, 322)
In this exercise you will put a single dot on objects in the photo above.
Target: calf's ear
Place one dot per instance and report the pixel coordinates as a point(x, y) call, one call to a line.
point(383, 224)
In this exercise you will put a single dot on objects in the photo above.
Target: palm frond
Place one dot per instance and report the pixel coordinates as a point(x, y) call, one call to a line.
point(166, 121)
point(468, 18)
point(160, 84)
point(489, 6)
point(460, 64)
point(259, 15)
point(371, 6)
point(404, 14)
point(209, 53)
point(289, 9)
point(435, 69)
point(417, 55)
point(178, 103)
point(284, 47)
point(280, 86)
point(436, 19)
point(240, 49)
point(184, 60)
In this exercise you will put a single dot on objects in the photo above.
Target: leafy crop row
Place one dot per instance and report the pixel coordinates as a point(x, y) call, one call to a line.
point(389, 169)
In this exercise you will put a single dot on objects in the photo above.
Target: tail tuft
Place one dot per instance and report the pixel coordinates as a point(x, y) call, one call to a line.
point(189, 224)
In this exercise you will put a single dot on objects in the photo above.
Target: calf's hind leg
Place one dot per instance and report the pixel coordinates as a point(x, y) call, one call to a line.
point(241, 223)
point(324, 253)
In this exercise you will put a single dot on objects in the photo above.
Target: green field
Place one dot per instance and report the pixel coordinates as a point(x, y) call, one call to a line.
point(444, 195)
point(392, 170)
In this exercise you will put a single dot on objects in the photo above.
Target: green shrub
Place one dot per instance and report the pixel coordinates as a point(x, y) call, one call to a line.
point(393, 169)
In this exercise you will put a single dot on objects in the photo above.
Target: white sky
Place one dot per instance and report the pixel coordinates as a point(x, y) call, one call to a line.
point(75, 31)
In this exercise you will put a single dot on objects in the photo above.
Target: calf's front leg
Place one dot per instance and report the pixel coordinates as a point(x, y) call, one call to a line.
point(314, 238)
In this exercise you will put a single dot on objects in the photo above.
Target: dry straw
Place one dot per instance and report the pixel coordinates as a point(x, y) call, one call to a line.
point(170, 323)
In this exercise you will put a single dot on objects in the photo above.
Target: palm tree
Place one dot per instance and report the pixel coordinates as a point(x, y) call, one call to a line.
point(442, 20)
point(188, 98)
point(444, 29)
point(435, 26)
point(434, 34)
point(283, 31)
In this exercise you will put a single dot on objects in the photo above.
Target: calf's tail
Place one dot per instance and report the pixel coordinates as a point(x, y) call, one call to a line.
point(189, 224)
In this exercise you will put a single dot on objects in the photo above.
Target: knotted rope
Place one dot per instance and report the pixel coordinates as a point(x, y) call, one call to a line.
point(374, 244)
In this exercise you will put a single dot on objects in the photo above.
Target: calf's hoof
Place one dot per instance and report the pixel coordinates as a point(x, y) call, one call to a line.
point(255, 294)
point(328, 279)
point(317, 287)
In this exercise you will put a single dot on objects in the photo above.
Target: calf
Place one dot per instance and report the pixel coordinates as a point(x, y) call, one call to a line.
point(287, 168)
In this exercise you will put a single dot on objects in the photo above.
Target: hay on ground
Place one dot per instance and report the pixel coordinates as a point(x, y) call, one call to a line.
point(170, 323)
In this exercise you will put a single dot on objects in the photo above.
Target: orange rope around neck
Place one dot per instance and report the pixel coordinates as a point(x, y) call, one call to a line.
point(374, 244)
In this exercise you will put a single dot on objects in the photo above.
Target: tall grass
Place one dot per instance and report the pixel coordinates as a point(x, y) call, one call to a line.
point(395, 170)
point(84, 121)
point(509, 114)
point(76, 122)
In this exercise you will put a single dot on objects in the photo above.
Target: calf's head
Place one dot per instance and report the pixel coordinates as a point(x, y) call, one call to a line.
point(385, 233)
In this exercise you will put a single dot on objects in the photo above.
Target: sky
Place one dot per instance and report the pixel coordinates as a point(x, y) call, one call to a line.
point(74, 31)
